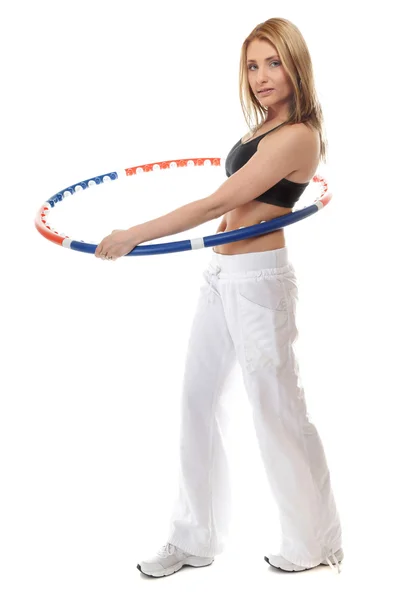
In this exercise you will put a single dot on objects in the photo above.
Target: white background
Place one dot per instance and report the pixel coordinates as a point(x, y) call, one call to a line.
point(93, 351)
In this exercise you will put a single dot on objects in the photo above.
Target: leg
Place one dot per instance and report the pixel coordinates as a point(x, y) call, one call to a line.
point(201, 513)
point(290, 445)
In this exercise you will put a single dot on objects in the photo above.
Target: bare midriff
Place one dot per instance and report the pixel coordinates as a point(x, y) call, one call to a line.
point(254, 212)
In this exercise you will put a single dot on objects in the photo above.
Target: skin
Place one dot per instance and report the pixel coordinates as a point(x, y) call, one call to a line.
point(268, 73)
point(262, 73)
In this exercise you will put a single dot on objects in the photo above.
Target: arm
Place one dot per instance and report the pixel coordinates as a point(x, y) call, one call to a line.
point(271, 163)
point(183, 218)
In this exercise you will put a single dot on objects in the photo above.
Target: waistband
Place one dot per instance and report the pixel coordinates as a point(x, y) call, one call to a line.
point(277, 261)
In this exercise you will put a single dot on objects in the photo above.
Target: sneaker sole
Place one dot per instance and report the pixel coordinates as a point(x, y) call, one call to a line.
point(192, 561)
point(339, 555)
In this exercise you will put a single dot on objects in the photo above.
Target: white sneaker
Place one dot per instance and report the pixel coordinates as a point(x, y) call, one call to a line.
point(170, 559)
point(277, 561)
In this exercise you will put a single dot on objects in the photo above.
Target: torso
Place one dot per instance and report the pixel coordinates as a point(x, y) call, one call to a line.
point(254, 212)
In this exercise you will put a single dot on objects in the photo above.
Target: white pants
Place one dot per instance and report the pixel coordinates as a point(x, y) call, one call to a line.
point(246, 312)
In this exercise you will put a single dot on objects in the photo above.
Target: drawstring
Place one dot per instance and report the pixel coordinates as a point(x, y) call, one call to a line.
point(330, 553)
point(213, 271)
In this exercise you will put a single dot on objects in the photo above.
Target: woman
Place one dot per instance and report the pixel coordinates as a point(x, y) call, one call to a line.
point(246, 312)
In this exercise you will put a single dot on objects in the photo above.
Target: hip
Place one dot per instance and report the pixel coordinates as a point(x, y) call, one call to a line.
point(261, 243)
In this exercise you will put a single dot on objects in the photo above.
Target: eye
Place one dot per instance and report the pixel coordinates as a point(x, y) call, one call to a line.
point(271, 63)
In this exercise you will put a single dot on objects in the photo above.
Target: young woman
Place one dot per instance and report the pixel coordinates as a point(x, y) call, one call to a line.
point(246, 312)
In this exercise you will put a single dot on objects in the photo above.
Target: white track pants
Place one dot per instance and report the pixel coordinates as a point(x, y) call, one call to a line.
point(246, 312)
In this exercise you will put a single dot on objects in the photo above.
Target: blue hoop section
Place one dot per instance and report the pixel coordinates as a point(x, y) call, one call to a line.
point(211, 240)
point(217, 239)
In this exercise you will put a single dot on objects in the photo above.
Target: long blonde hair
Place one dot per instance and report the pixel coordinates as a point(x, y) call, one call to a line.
point(296, 60)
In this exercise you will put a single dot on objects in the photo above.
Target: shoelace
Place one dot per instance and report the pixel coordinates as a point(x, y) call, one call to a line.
point(170, 549)
point(166, 550)
point(330, 553)
point(213, 271)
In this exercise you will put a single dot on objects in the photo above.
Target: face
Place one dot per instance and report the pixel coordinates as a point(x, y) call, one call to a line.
point(265, 70)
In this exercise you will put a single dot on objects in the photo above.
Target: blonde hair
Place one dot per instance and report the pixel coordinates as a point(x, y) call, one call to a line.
point(296, 60)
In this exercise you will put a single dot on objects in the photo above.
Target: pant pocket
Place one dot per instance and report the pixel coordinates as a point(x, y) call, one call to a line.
point(263, 314)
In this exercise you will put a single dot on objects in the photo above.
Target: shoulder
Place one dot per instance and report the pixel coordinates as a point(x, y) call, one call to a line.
point(301, 142)
point(300, 135)
point(296, 146)
point(310, 138)
point(308, 132)
point(290, 135)
point(297, 130)
point(304, 129)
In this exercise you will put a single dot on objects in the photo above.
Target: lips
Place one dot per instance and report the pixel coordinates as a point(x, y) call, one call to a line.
point(265, 90)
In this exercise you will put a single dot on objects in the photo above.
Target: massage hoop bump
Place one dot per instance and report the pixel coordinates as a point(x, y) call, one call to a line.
point(43, 226)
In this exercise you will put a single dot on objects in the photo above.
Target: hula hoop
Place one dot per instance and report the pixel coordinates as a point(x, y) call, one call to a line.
point(217, 239)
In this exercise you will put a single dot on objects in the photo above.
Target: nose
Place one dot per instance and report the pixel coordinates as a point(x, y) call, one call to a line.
point(263, 83)
point(262, 78)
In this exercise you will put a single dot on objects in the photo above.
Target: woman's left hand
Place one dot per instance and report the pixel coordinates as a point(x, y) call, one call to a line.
point(119, 243)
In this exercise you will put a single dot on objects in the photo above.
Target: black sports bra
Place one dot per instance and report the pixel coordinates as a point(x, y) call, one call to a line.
point(285, 193)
